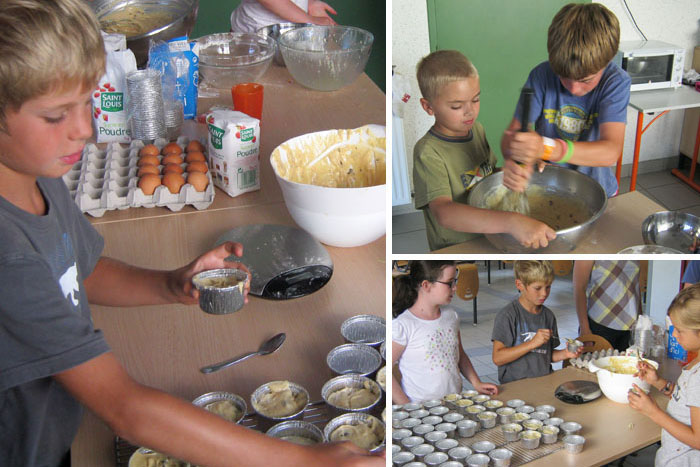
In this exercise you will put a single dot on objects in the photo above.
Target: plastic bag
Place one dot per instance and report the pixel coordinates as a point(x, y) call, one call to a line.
point(108, 100)
point(178, 62)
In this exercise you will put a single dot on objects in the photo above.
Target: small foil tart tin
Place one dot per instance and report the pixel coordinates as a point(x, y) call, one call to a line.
point(401, 433)
point(478, 460)
point(467, 428)
point(453, 417)
point(439, 410)
point(220, 300)
point(410, 442)
point(481, 398)
point(451, 398)
point(550, 434)
point(350, 381)
point(473, 411)
point(570, 428)
point(357, 418)
point(218, 396)
point(364, 329)
point(532, 424)
point(501, 457)
point(554, 421)
point(493, 404)
point(435, 436)
point(394, 449)
point(525, 409)
point(549, 409)
point(449, 428)
point(469, 393)
point(515, 403)
point(483, 446)
point(511, 431)
point(444, 445)
point(435, 458)
point(423, 429)
point(574, 443)
point(487, 419)
point(297, 428)
point(541, 416)
point(520, 417)
point(530, 439)
point(460, 453)
point(432, 403)
point(402, 457)
point(410, 423)
point(420, 413)
point(399, 416)
point(505, 414)
point(354, 359)
point(422, 450)
point(451, 463)
point(432, 420)
point(267, 421)
point(573, 345)
point(411, 406)
point(462, 404)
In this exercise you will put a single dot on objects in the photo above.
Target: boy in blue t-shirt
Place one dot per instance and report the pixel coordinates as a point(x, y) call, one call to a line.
point(579, 105)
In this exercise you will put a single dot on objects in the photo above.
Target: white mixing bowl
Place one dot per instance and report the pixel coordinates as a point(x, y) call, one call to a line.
point(616, 385)
point(344, 217)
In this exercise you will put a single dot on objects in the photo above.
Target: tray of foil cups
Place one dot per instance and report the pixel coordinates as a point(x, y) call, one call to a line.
point(364, 329)
point(363, 430)
point(229, 406)
point(298, 432)
point(351, 393)
point(354, 358)
point(278, 401)
point(145, 109)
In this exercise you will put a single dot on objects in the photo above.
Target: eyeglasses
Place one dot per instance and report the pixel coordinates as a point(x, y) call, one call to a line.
point(451, 283)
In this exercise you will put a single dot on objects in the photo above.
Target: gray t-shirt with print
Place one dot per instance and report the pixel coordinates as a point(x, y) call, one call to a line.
point(45, 327)
point(674, 453)
point(513, 326)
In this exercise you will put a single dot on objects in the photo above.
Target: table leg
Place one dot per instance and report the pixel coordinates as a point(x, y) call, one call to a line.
point(690, 180)
point(637, 144)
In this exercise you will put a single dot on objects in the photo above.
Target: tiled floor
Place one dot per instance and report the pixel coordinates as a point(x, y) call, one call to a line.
point(491, 298)
point(408, 234)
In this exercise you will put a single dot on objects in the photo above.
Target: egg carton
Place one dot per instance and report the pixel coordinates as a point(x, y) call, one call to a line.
point(582, 361)
point(106, 179)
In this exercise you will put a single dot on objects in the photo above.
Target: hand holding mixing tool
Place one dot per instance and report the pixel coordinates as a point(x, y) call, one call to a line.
point(267, 347)
point(512, 200)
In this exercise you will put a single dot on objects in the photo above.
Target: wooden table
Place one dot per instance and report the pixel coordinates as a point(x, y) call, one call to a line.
point(164, 346)
point(611, 430)
point(618, 228)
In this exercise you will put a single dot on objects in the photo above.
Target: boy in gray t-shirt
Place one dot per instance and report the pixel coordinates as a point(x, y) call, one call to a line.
point(525, 331)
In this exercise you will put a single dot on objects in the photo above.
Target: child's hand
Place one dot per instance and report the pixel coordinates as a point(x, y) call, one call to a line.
point(515, 176)
point(542, 337)
point(486, 388)
point(576, 354)
point(531, 233)
point(344, 454)
point(647, 373)
point(641, 401)
point(526, 147)
point(181, 279)
point(319, 12)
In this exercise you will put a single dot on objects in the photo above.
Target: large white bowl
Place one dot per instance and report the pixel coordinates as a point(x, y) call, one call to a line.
point(344, 217)
point(615, 386)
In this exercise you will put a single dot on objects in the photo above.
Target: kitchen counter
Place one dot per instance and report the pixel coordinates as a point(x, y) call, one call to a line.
point(164, 346)
point(619, 227)
point(612, 430)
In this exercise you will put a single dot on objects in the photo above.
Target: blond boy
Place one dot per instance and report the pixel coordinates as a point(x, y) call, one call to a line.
point(454, 155)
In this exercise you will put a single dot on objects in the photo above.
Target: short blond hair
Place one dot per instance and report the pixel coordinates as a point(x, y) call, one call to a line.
point(530, 271)
point(582, 40)
point(47, 46)
point(685, 308)
point(439, 68)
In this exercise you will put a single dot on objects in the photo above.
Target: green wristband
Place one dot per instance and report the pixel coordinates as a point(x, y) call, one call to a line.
point(569, 152)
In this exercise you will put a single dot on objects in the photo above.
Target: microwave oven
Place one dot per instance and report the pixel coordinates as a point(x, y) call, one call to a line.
point(651, 64)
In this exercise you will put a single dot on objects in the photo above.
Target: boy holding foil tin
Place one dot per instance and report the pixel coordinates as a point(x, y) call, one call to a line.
point(454, 155)
point(52, 359)
point(525, 331)
point(579, 106)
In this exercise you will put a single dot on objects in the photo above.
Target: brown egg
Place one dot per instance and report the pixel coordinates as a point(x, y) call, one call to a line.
point(148, 159)
point(148, 169)
point(197, 166)
point(172, 148)
point(193, 156)
point(171, 159)
point(148, 183)
point(198, 180)
point(174, 168)
point(195, 145)
point(174, 182)
point(149, 150)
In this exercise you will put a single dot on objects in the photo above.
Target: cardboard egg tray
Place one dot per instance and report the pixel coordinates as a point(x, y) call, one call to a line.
point(106, 179)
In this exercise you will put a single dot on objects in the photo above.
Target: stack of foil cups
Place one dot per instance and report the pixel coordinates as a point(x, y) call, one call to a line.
point(145, 109)
point(174, 118)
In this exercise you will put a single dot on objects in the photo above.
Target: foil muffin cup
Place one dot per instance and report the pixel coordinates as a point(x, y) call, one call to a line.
point(411, 406)
point(453, 417)
point(466, 428)
point(444, 445)
point(420, 413)
point(574, 443)
point(410, 423)
point(357, 418)
point(221, 300)
point(487, 419)
point(439, 410)
point(515, 403)
point(550, 434)
point(398, 435)
point(481, 398)
point(432, 403)
point(402, 458)
point(435, 436)
point(501, 457)
point(435, 458)
point(505, 415)
point(297, 429)
point(382, 350)
point(266, 421)
point(459, 454)
point(570, 428)
point(218, 396)
point(469, 393)
point(483, 446)
point(541, 416)
point(423, 429)
point(532, 424)
point(354, 359)
point(350, 381)
point(422, 450)
point(395, 449)
point(432, 420)
point(478, 460)
point(493, 404)
point(449, 428)
point(511, 431)
point(410, 442)
point(549, 409)
point(573, 345)
point(528, 409)
point(364, 329)
point(451, 463)
point(554, 421)
point(530, 439)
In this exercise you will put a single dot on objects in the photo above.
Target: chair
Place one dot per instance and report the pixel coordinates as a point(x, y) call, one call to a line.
point(591, 343)
point(562, 267)
point(468, 283)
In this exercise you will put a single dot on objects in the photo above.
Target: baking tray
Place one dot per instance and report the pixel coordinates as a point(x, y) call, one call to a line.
point(521, 455)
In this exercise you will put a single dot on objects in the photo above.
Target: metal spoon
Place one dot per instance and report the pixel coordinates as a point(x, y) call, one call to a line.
point(267, 347)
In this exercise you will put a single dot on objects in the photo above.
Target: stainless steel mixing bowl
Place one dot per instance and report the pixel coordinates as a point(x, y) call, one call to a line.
point(275, 31)
point(556, 181)
point(676, 230)
point(178, 16)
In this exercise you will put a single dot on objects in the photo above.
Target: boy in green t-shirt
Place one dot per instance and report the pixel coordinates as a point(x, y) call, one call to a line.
point(454, 155)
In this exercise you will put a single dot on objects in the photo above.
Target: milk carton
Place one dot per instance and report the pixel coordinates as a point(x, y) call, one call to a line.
point(234, 150)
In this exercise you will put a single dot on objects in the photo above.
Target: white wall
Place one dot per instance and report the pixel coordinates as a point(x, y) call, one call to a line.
point(674, 21)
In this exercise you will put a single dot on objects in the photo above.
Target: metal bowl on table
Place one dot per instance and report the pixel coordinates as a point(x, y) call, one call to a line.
point(143, 21)
point(275, 31)
point(555, 186)
point(672, 229)
point(326, 58)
